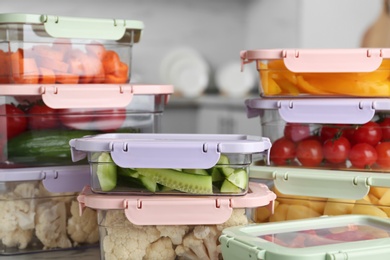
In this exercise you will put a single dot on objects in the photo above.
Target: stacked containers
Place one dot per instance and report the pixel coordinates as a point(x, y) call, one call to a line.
point(326, 113)
point(61, 78)
point(325, 110)
point(176, 191)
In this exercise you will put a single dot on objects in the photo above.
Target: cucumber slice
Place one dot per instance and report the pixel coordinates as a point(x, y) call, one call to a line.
point(181, 181)
point(223, 160)
point(226, 171)
point(148, 183)
point(106, 171)
point(128, 172)
point(216, 174)
point(132, 176)
point(239, 178)
point(228, 187)
point(196, 171)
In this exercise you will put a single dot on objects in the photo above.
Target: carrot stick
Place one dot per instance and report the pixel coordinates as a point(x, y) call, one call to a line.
point(46, 76)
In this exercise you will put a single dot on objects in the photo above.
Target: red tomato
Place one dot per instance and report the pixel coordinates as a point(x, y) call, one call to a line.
point(309, 153)
point(370, 133)
point(13, 120)
point(385, 126)
point(42, 117)
point(363, 155)
point(282, 151)
point(109, 120)
point(336, 150)
point(329, 131)
point(296, 132)
point(77, 118)
point(383, 151)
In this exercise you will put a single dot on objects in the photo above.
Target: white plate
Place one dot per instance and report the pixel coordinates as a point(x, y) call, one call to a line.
point(186, 70)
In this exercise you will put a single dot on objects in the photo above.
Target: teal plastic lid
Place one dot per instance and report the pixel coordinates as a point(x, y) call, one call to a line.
point(325, 238)
point(78, 27)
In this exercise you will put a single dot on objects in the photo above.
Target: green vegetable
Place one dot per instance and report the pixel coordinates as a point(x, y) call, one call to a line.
point(181, 181)
point(239, 177)
point(130, 176)
point(106, 171)
point(49, 146)
point(196, 171)
point(228, 187)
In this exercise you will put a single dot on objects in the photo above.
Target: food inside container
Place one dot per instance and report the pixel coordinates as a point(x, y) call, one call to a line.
point(307, 193)
point(49, 49)
point(40, 212)
point(334, 134)
point(33, 132)
point(321, 72)
point(155, 227)
point(169, 163)
point(341, 237)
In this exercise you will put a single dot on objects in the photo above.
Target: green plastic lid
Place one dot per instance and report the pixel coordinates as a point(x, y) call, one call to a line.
point(77, 27)
point(352, 237)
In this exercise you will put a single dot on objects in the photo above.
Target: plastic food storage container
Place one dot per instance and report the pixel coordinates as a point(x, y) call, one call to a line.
point(138, 227)
point(36, 132)
point(321, 72)
point(342, 237)
point(50, 49)
point(306, 193)
point(40, 212)
point(189, 164)
point(342, 134)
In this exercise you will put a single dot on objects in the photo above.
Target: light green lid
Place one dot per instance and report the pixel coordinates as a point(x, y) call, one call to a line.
point(77, 27)
point(352, 237)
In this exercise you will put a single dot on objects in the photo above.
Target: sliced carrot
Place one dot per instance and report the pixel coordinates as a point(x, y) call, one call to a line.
point(56, 65)
point(114, 79)
point(119, 76)
point(62, 45)
point(111, 62)
point(46, 76)
point(96, 49)
point(48, 52)
point(100, 76)
point(67, 78)
point(24, 70)
point(4, 67)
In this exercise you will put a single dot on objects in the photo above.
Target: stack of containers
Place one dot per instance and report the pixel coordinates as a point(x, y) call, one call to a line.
point(326, 112)
point(169, 196)
point(62, 78)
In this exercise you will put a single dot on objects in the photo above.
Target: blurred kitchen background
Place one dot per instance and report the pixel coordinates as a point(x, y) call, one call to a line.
point(195, 46)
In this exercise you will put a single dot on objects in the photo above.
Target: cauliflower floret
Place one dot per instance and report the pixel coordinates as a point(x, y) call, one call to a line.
point(196, 245)
point(175, 233)
point(50, 225)
point(209, 235)
point(125, 240)
point(160, 249)
point(238, 218)
point(17, 215)
point(184, 253)
point(83, 229)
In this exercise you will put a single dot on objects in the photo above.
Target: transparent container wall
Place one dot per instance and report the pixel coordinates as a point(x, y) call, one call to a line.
point(221, 179)
point(35, 220)
point(32, 134)
point(291, 207)
point(117, 232)
point(277, 81)
point(357, 147)
point(28, 55)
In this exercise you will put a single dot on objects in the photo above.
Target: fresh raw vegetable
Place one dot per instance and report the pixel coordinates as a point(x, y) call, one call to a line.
point(40, 116)
point(191, 181)
point(62, 64)
point(276, 79)
point(15, 121)
point(43, 145)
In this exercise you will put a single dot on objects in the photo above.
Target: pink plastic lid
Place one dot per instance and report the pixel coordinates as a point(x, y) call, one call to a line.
point(84, 95)
point(321, 60)
point(178, 210)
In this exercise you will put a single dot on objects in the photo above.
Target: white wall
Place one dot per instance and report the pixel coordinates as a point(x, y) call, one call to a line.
point(219, 29)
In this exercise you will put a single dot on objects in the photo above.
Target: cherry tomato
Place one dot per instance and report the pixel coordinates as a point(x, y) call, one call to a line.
point(329, 132)
point(370, 133)
point(42, 117)
point(77, 118)
point(383, 151)
point(282, 151)
point(13, 122)
point(309, 153)
point(336, 150)
point(109, 120)
point(296, 132)
point(385, 126)
point(363, 155)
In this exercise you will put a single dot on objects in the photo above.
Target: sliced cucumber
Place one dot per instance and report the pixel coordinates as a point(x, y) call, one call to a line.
point(131, 176)
point(228, 187)
point(223, 160)
point(128, 172)
point(196, 171)
point(106, 172)
point(226, 171)
point(216, 174)
point(239, 178)
point(148, 183)
point(181, 181)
